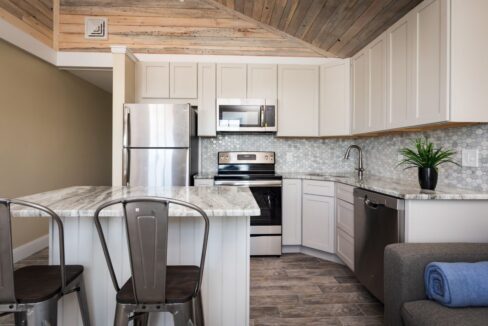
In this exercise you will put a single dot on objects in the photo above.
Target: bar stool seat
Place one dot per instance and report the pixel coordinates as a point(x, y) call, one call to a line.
point(181, 282)
point(39, 283)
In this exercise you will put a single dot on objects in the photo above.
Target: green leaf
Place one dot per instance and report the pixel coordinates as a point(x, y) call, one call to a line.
point(425, 155)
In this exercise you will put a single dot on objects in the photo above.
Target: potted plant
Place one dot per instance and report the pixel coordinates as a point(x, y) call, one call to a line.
point(426, 158)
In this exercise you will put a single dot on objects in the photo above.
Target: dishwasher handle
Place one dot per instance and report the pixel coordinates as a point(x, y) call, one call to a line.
point(371, 204)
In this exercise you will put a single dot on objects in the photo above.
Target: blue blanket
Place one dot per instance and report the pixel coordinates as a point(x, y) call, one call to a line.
point(457, 284)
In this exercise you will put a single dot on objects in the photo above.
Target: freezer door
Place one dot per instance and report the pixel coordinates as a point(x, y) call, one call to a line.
point(158, 167)
point(156, 125)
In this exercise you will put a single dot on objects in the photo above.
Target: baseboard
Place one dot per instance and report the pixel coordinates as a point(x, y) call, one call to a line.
point(312, 252)
point(31, 248)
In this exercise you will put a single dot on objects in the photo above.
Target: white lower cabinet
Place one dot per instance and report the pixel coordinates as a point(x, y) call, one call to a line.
point(318, 223)
point(292, 212)
point(345, 248)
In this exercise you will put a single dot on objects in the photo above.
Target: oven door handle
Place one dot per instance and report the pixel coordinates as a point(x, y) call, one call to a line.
point(248, 183)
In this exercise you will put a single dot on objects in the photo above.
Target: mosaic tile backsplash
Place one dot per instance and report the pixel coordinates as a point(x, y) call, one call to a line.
point(380, 154)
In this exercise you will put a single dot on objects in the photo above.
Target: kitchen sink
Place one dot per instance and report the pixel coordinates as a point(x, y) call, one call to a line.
point(327, 175)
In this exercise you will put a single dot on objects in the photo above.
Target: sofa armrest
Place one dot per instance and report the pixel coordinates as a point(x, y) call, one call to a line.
point(404, 270)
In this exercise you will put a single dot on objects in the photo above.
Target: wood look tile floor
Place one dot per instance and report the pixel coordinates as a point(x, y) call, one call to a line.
point(294, 289)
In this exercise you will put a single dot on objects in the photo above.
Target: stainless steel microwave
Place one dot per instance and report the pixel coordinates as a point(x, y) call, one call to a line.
point(246, 115)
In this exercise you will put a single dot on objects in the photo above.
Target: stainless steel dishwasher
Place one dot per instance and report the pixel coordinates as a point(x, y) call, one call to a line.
point(379, 220)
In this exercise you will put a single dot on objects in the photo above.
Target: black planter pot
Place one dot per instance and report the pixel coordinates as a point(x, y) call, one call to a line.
point(428, 178)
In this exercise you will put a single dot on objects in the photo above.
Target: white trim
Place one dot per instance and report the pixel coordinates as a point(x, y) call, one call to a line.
point(31, 248)
point(150, 57)
point(312, 252)
point(84, 60)
point(26, 42)
point(122, 49)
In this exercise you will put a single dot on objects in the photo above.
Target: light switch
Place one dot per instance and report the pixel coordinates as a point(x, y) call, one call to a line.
point(470, 157)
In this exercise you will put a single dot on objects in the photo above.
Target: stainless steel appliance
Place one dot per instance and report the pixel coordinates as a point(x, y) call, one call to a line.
point(256, 170)
point(160, 145)
point(248, 115)
point(379, 220)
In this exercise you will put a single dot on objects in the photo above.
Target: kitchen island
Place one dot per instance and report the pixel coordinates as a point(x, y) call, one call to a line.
point(225, 286)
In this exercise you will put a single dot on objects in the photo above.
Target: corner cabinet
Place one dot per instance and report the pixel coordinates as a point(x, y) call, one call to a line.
point(298, 100)
point(292, 212)
point(335, 106)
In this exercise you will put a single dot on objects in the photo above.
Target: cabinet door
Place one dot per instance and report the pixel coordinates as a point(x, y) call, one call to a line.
point(430, 62)
point(298, 100)
point(360, 92)
point(345, 216)
point(318, 223)
point(207, 114)
point(335, 109)
point(262, 82)
point(152, 80)
point(183, 80)
point(292, 212)
point(376, 117)
point(345, 248)
point(399, 38)
point(231, 80)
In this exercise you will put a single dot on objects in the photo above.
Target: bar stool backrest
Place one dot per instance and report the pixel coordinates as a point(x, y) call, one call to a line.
point(147, 223)
point(7, 289)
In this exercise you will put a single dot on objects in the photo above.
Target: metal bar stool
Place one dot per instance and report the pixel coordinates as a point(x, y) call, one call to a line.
point(154, 286)
point(32, 292)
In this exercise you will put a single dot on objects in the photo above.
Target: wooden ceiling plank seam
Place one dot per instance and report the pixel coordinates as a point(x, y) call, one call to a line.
point(300, 13)
point(338, 13)
point(230, 3)
point(257, 9)
point(46, 10)
point(390, 14)
point(145, 12)
point(321, 20)
point(278, 9)
point(359, 24)
point(338, 27)
point(187, 4)
point(288, 13)
point(267, 11)
point(28, 10)
point(248, 5)
point(317, 50)
point(310, 17)
point(19, 23)
point(239, 5)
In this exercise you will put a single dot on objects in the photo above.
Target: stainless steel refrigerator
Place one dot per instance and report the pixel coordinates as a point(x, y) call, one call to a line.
point(160, 145)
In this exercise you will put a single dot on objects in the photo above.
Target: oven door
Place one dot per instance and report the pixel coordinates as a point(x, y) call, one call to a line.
point(266, 228)
point(241, 115)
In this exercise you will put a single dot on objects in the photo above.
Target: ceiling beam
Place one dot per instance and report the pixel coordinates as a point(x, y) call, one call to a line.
point(269, 28)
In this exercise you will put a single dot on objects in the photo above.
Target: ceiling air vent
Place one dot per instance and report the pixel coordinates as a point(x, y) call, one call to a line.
point(96, 28)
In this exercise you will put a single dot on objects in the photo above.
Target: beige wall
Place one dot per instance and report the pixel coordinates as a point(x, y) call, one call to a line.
point(55, 131)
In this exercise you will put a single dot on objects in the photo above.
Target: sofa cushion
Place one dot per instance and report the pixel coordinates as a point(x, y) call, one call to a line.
point(430, 313)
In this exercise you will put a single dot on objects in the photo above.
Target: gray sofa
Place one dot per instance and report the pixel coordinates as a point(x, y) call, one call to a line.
point(405, 300)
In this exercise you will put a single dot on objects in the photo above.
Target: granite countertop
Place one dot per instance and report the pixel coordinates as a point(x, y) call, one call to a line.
point(82, 201)
point(405, 189)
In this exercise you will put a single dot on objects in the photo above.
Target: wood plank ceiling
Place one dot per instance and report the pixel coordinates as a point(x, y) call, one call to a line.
point(340, 27)
point(33, 16)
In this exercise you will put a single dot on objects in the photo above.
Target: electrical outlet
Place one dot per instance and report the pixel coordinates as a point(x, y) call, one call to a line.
point(470, 157)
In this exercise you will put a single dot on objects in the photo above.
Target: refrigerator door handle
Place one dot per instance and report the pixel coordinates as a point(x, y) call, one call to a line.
point(126, 126)
point(126, 167)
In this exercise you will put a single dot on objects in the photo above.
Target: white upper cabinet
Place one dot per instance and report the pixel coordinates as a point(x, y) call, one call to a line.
point(292, 212)
point(360, 91)
point(298, 100)
point(262, 82)
point(400, 77)
point(430, 62)
point(152, 80)
point(376, 113)
point(206, 99)
point(231, 80)
point(335, 107)
point(183, 80)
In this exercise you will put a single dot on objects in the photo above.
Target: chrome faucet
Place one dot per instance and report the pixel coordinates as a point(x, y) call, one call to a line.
point(360, 167)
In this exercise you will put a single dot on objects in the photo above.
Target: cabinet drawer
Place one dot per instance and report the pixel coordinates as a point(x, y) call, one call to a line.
point(345, 248)
point(345, 192)
point(345, 216)
point(318, 188)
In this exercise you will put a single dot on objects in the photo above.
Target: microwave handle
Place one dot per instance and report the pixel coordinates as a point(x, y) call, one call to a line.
point(263, 107)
